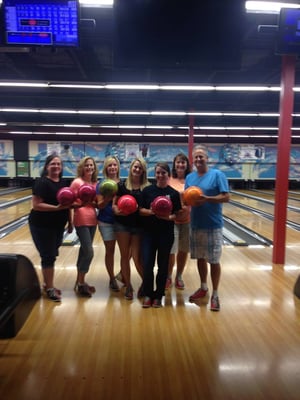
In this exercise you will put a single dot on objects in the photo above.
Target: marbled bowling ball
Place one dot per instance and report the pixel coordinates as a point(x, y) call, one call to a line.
point(107, 187)
point(86, 193)
point(65, 196)
point(127, 204)
point(191, 195)
point(162, 206)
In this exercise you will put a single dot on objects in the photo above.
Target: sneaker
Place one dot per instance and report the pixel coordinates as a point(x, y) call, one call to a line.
point(179, 284)
point(119, 277)
point(214, 303)
point(168, 283)
point(53, 294)
point(156, 303)
point(91, 289)
point(45, 289)
point(85, 290)
point(129, 293)
point(199, 294)
point(147, 302)
point(113, 285)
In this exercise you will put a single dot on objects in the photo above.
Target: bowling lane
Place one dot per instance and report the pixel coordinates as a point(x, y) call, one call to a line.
point(293, 197)
point(14, 212)
point(258, 223)
point(14, 195)
point(257, 203)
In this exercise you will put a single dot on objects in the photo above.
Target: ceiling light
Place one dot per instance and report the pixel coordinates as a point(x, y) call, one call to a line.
point(57, 111)
point(247, 88)
point(76, 126)
point(159, 127)
point(268, 114)
point(131, 134)
point(154, 134)
point(131, 126)
point(267, 7)
point(131, 87)
point(206, 114)
point(96, 3)
point(88, 133)
point(233, 114)
point(23, 84)
point(187, 87)
point(100, 112)
point(145, 87)
point(23, 110)
point(74, 86)
point(131, 112)
point(168, 113)
point(110, 134)
point(20, 132)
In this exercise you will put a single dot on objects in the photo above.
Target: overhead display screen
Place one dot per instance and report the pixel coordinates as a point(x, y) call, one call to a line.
point(288, 38)
point(41, 23)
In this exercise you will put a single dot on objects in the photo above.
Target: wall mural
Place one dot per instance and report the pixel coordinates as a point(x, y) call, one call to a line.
point(237, 161)
point(7, 164)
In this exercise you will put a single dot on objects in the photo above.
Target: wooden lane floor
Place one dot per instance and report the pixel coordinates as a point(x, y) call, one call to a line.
point(107, 347)
point(258, 223)
point(14, 212)
point(14, 195)
point(252, 221)
point(293, 197)
point(259, 204)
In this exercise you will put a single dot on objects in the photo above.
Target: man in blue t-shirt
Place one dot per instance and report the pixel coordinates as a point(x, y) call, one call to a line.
point(206, 236)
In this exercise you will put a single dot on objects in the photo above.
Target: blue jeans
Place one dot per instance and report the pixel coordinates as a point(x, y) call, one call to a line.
point(86, 252)
point(47, 241)
point(156, 244)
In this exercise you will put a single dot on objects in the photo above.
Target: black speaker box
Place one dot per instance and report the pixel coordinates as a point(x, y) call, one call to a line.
point(297, 287)
point(19, 290)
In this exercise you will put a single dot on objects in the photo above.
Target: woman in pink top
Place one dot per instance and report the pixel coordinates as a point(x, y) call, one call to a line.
point(85, 222)
point(180, 169)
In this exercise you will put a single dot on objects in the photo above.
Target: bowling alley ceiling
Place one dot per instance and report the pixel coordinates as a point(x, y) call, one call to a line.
point(183, 58)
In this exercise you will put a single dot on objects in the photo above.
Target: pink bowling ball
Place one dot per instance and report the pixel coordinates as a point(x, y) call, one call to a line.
point(162, 206)
point(65, 196)
point(86, 193)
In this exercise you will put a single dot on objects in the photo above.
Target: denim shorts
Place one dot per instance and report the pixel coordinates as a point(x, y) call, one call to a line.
point(107, 231)
point(133, 230)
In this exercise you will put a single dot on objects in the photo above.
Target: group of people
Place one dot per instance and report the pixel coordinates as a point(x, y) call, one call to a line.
point(143, 236)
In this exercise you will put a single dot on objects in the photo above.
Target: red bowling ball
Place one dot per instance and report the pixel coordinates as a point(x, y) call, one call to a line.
point(162, 206)
point(86, 193)
point(127, 204)
point(65, 196)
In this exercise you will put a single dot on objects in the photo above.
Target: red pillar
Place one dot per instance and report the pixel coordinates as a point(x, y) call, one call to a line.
point(283, 157)
point(191, 138)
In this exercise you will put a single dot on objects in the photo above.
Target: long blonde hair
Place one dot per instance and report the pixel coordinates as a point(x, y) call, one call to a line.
point(106, 163)
point(143, 179)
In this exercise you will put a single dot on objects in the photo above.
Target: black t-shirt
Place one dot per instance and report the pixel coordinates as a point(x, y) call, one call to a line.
point(47, 190)
point(133, 219)
point(153, 223)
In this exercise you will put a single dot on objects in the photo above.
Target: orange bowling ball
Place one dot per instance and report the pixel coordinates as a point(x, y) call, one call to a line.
point(65, 196)
point(191, 195)
point(162, 206)
point(127, 204)
point(86, 193)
